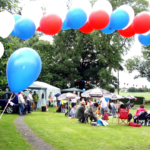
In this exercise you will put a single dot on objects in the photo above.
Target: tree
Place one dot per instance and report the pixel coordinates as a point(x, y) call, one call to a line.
point(111, 48)
point(9, 5)
point(140, 64)
point(8, 44)
point(92, 56)
point(66, 58)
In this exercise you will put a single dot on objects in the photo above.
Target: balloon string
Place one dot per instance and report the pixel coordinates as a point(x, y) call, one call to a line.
point(7, 104)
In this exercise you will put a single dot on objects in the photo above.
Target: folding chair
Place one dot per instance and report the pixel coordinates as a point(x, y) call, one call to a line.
point(123, 115)
point(141, 118)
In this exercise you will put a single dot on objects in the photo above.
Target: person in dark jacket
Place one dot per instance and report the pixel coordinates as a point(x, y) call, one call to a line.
point(80, 112)
point(91, 112)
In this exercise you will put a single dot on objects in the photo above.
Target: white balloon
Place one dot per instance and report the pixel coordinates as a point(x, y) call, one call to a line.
point(83, 4)
point(1, 49)
point(7, 23)
point(131, 13)
point(103, 5)
point(57, 7)
point(33, 11)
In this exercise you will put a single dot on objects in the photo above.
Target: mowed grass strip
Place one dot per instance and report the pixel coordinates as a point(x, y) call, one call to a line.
point(10, 138)
point(67, 134)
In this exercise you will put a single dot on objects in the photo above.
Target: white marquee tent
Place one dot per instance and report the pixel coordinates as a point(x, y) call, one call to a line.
point(42, 88)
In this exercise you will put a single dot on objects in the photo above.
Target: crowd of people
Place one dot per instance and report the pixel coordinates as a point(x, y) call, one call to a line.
point(89, 109)
point(100, 107)
point(27, 103)
point(84, 110)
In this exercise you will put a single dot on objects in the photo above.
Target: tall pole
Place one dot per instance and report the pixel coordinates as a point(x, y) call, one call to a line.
point(118, 81)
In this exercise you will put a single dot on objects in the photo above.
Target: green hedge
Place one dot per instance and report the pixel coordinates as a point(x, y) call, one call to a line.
point(139, 100)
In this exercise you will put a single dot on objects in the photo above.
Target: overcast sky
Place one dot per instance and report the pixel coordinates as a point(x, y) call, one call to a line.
point(125, 77)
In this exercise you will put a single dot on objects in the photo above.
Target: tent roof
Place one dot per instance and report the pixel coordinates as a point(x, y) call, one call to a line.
point(71, 90)
point(42, 85)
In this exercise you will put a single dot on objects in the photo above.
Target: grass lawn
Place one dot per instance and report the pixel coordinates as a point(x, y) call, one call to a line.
point(142, 94)
point(67, 134)
point(10, 138)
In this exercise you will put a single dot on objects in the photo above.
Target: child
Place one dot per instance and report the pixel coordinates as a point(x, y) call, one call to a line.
point(105, 117)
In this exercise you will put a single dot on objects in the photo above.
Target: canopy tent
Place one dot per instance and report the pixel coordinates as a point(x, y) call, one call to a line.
point(72, 90)
point(43, 90)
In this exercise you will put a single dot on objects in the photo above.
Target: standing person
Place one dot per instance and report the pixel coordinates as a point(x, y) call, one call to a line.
point(113, 109)
point(29, 99)
point(128, 104)
point(80, 112)
point(35, 99)
point(21, 103)
point(49, 98)
point(73, 101)
point(104, 105)
point(33, 105)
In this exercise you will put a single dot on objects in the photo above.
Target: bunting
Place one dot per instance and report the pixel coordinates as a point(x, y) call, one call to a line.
point(115, 81)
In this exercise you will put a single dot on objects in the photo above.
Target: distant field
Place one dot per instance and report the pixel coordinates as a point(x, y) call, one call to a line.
point(142, 94)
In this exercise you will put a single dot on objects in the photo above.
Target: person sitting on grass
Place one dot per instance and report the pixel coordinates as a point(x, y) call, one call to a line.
point(106, 116)
point(80, 112)
point(73, 111)
point(91, 112)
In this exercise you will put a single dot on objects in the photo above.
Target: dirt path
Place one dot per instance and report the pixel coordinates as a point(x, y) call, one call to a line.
point(30, 136)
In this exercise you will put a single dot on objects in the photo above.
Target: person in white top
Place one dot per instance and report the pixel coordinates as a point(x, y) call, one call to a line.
point(104, 105)
point(21, 102)
point(29, 99)
point(73, 101)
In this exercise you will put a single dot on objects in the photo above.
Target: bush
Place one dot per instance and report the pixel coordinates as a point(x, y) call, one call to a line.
point(133, 89)
point(110, 89)
point(139, 100)
point(147, 102)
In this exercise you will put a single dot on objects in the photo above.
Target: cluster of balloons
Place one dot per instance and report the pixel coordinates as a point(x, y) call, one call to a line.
point(81, 16)
point(23, 68)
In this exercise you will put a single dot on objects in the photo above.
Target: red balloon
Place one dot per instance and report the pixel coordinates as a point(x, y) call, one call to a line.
point(99, 19)
point(141, 23)
point(39, 29)
point(129, 32)
point(44, 13)
point(51, 24)
point(86, 28)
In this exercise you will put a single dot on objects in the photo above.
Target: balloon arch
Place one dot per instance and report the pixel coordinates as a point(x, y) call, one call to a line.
point(81, 16)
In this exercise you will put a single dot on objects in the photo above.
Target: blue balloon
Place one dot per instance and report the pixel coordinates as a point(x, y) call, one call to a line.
point(16, 17)
point(107, 99)
point(145, 40)
point(65, 27)
point(83, 90)
point(76, 18)
point(23, 68)
point(108, 30)
point(119, 19)
point(24, 28)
